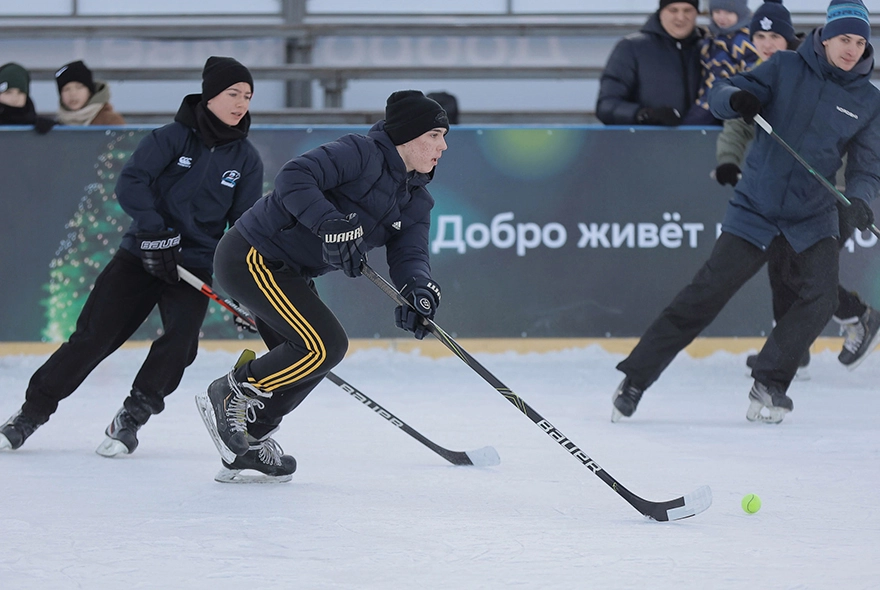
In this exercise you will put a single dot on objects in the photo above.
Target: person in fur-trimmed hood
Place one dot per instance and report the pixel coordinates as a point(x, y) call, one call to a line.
point(82, 99)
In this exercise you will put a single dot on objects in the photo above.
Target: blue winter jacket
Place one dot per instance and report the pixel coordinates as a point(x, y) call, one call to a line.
point(823, 113)
point(354, 174)
point(173, 180)
point(649, 69)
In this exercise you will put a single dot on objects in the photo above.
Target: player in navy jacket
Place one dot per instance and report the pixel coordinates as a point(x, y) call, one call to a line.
point(330, 206)
point(183, 186)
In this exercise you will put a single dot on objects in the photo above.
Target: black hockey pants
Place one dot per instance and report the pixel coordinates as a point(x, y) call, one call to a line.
point(122, 298)
point(733, 262)
point(304, 338)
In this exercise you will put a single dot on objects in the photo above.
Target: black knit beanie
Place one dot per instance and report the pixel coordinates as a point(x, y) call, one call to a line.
point(220, 73)
point(75, 71)
point(409, 113)
point(12, 75)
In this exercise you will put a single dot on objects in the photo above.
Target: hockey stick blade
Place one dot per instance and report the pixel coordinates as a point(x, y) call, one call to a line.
point(485, 457)
point(677, 509)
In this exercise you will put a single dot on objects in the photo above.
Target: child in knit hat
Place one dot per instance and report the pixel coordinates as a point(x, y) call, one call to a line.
point(82, 99)
point(728, 50)
point(16, 107)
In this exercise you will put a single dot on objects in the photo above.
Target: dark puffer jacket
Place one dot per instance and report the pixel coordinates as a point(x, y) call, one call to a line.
point(354, 174)
point(649, 69)
point(173, 180)
point(823, 113)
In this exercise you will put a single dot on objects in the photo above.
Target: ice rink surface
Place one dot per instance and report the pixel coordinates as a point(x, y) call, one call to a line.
point(371, 508)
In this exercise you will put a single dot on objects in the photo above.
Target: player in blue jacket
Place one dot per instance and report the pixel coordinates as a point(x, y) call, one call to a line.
point(821, 101)
point(330, 206)
point(183, 186)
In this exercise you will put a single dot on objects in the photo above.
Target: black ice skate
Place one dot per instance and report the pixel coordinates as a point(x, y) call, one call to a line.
point(625, 400)
point(226, 408)
point(16, 430)
point(264, 456)
point(861, 337)
point(803, 372)
point(122, 434)
point(771, 397)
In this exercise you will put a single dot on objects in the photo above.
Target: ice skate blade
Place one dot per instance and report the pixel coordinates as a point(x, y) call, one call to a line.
point(5, 445)
point(616, 415)
point(111, 448)
point(485, 457)
point(773, 416)
point(236, 476)
point(206, 411)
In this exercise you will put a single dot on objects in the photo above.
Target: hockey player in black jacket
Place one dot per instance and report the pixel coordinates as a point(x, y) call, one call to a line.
point(330, 206)
point(183, 186)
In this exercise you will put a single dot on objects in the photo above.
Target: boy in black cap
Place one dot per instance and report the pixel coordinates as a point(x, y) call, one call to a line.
point(16, 106)
point(183, 186)
point(330, 207)
point(82, 99)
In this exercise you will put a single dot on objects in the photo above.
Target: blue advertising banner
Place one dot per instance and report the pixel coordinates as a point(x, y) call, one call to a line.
point(537, 231)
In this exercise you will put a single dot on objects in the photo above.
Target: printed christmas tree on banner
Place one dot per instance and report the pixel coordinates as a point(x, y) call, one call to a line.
point(93, 236)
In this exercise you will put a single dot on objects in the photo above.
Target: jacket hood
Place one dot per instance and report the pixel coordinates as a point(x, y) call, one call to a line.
point(186, 114)
point(813, 52)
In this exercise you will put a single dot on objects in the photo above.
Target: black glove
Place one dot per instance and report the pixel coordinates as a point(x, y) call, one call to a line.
point(665, 116)
point(728, 174)
point(343, 239)
point(424, 294)
point(43, 125)
point(746, 104)
point(160, 253)
point(858, 214)
point(248, 322)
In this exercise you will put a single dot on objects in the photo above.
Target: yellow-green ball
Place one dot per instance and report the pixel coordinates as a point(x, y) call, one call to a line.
point(751, 503)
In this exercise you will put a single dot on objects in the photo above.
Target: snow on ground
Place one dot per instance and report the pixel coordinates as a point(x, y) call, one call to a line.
point(371, 508)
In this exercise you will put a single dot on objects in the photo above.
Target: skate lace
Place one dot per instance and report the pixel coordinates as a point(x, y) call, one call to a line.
point(270, 452)
point(243, 406)
point(853, 336)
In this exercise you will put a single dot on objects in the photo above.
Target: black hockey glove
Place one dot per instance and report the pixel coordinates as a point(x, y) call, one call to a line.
point(160, 253)
point(746, 104)
point(665, 116)
point(858, 215)
point(424, 294)
point(248, 322)
point(728, 174)
point(343, 239)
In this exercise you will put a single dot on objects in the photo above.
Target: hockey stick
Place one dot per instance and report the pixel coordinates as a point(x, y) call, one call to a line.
point(682, 507)
point(485, 457)
point(763, 124)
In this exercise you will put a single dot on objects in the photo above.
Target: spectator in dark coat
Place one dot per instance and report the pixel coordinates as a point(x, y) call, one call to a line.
point(652, 77)
point(16, 106)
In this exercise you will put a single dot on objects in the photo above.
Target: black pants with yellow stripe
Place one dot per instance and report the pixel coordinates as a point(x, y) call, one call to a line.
point(304, 338)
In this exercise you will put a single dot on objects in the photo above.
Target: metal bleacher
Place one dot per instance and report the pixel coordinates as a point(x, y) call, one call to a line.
point(298, 33)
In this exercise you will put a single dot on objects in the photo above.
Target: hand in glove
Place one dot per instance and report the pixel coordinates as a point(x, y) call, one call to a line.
point(728, 174)
point(424, 294)
point(858, 214)
point(343, 239)
point(245, 321)
point(160, 254)
point(665, 116)
point(746, 104)
point(44, 125)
